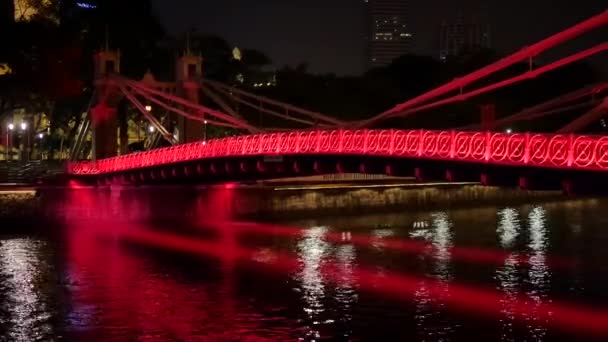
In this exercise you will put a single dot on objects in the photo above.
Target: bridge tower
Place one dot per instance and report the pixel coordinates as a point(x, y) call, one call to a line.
point(189, 72)
point(104, 113)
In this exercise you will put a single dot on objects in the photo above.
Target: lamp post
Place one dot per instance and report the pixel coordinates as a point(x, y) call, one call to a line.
point(205, 131)
point(27, 140)
point(11, 127)
point(40, 137)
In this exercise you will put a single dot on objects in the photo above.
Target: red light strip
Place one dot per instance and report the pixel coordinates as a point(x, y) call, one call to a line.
point(525, 149)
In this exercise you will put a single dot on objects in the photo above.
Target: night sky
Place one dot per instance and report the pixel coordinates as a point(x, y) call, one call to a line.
point(329, 34)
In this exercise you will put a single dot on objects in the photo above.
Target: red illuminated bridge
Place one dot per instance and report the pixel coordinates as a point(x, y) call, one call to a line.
point(237, 154)
point(316, 143)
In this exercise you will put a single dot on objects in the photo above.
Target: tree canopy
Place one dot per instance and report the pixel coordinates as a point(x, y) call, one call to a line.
point(50, 58)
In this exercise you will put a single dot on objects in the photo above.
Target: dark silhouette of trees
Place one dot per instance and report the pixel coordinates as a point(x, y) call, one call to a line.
point(52, 68)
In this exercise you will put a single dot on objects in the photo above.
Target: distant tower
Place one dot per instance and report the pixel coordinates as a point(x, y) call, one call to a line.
point(189, 72)
point(389, 36)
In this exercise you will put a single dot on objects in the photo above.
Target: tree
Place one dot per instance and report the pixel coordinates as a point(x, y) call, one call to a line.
point(40, 10)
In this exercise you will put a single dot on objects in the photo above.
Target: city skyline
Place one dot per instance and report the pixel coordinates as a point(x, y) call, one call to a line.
point(330, 36)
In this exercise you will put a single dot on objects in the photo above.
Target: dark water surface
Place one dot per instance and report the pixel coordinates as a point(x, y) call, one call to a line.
point(157, 266)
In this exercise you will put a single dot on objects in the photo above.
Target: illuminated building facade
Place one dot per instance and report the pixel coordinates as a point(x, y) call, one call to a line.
point(389, 35)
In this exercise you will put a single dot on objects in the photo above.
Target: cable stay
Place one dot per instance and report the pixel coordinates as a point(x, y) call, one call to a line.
point(418, 103)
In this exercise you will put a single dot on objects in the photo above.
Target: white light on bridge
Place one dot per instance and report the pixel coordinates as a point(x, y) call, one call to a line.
point(23, 126)
point(151, 129)
point(509, 131)
point(148, 108)
point(11, 126)
point(205, 122)
point(40, 135)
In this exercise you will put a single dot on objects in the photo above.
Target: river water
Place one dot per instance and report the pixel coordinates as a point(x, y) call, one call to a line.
point(116, 266)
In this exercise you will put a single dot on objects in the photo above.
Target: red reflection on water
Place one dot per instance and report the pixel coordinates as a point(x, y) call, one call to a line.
point(74, 184)
point(116, 295)
point(465, 254)
point(460, 297)
point(125, 295)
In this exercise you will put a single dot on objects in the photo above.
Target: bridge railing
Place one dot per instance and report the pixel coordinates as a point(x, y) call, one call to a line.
point(517, 149)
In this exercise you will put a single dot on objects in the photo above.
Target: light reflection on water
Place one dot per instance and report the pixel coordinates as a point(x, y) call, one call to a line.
point(430, 308)
point(507, 275)
point(121, 291)
point(538, 273)
point(26, 315)
point(312, 251)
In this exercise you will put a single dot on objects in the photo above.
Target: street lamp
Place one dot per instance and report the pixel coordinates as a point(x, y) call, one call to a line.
point(205, 131)
point(27, 139)
point(11, 127)
point(151, 129)
point(509, 131)
point(40, 136)
point(148, 108)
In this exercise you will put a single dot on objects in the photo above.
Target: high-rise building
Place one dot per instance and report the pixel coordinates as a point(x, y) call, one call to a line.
point(389, 36)
point(462, 36)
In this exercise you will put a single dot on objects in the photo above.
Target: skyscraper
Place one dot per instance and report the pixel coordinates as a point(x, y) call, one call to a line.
point(389, 35)
point(462, 36)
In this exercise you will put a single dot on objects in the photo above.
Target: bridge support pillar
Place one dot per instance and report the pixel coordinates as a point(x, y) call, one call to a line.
point(346, 167)
point(540, 181)
point(103, 115)
point(201, 169)
point(375, 167)
point(319, 167)
point(567, 187)
point(419, 174)
point(485, 179)
point(105, 127)
point(461, 175)
point(189, 71)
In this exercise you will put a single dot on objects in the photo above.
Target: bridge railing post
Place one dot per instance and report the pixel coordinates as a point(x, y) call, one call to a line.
point(488, 146)
point(420, 142)
point(319, 135)
point(452, 144)
point(570, 149)
point(527, 148)
point(391, 150)
point(298, 137)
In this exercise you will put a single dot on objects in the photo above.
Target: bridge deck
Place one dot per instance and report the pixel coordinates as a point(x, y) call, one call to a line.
point(518, 149)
